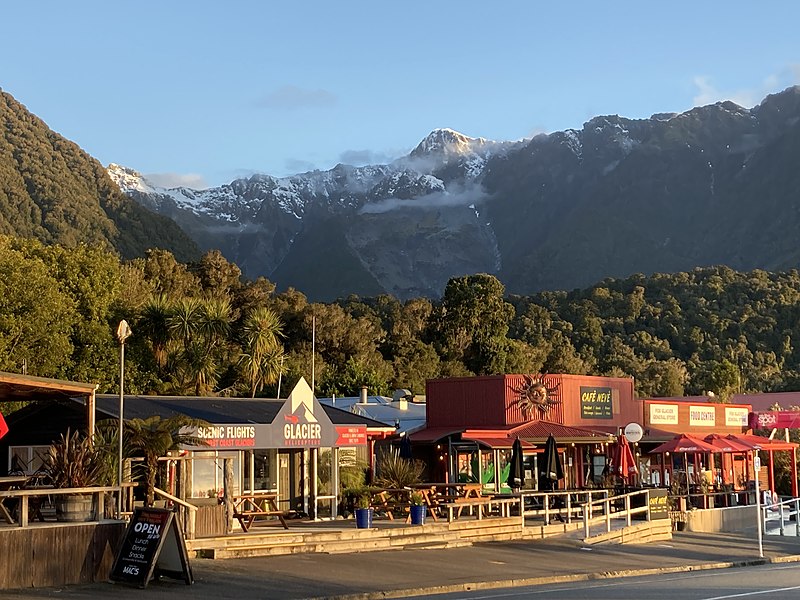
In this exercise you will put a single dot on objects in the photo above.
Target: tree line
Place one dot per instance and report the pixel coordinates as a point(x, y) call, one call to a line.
point(200, 328)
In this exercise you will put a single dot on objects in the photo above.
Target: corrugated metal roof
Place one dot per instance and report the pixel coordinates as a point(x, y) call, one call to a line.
point(216, 410)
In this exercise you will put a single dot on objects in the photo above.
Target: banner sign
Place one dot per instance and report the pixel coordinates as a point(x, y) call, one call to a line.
point(663, 414)
point(596, 403)
point(300, 423)
point(658, 502)
point(775, 419)
point(702, 416)
point(3, 426)
point(736, 417)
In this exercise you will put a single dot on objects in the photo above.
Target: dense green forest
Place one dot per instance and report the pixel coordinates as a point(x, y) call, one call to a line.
point(200, 328)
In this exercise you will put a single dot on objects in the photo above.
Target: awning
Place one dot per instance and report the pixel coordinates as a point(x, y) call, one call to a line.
point(434, 434)
point(537, 432)
point(500, 443)
point(761, 443)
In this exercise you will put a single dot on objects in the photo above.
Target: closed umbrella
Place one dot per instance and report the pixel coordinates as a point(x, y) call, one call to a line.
point(405, 447)
point(624, 462)
point(516, 475)
point(550, 467)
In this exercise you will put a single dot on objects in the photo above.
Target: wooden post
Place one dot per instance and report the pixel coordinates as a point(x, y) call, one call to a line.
point(227, 494)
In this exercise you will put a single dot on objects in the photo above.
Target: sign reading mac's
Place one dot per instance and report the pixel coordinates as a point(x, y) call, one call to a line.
point(596, 403)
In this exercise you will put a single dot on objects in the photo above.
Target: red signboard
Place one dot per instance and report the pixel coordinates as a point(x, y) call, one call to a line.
point(775, 419)
point(3, 426)
point(351, 435)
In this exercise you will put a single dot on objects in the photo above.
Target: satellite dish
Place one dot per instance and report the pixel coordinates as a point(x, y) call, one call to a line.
point(633, 432)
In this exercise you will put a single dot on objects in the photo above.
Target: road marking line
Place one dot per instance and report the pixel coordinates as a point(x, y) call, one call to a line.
point(788, 589)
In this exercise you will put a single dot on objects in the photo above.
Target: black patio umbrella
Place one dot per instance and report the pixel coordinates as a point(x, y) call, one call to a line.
point(550, 467)
point(516, 474)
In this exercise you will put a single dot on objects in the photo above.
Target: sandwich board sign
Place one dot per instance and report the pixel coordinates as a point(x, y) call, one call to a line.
point(153, 546)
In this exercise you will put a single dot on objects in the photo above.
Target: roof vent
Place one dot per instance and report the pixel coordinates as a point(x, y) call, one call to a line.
point(402, 394)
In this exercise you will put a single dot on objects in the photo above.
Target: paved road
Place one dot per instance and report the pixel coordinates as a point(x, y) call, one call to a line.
point(765, 582)
point(405, 573)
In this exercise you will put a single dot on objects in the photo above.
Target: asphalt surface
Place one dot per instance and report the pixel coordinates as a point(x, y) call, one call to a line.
point(406, 573)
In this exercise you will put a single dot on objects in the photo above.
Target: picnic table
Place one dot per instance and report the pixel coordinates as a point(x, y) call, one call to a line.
point(250, 506)
point(8, 483)
point(391, 500)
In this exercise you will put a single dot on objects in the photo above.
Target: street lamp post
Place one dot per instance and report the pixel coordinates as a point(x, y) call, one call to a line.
point(123, 333)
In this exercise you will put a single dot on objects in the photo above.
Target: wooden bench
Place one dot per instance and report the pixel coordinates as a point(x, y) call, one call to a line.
point(484, 506)
point(249, 507)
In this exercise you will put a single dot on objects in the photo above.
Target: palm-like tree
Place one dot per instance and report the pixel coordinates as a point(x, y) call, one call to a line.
point(153, 324)
point(153, 437)
point(262, 353)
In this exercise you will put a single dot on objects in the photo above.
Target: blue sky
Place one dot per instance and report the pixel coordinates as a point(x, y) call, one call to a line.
point(200, 93)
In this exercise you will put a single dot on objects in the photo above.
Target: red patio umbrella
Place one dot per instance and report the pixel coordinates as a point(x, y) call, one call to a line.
point(685, 444)
point(623, 463)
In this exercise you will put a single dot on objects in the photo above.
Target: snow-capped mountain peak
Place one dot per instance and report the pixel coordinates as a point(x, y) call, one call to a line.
point(448, 142)
point(129, 180)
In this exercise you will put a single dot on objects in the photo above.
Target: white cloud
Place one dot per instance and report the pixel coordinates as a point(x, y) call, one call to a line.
point(297, 165)
point(172, 180)
point(708, 93)
point(291, 97)
point(359, 158)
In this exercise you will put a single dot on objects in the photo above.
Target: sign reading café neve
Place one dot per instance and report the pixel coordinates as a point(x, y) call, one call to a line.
point(596, 403)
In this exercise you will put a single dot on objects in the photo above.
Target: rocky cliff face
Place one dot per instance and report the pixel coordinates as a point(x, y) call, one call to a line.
point(714, 185)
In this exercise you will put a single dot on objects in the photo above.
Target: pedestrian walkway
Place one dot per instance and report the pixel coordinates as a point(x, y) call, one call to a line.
point(405, 573)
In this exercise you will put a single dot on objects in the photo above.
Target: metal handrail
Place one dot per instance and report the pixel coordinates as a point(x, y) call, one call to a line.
point(779, 508)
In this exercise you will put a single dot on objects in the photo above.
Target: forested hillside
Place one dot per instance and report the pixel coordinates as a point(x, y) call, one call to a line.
point(52, 191)
point(200, 328)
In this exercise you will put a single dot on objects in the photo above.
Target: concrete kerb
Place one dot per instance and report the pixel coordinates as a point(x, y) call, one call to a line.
point(533, 581)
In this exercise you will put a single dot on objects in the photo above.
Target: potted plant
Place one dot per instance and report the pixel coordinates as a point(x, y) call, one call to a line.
point(74, 461)
point(418, 509)
point(363, 510)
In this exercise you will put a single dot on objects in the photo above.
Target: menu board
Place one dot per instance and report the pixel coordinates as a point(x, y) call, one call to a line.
point(153, 545)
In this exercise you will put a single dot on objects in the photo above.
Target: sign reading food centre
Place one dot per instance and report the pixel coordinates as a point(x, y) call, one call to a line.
point(702, 416)
point(663, 414)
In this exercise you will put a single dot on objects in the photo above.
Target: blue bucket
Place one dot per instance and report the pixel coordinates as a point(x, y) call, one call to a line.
point(418, 514)
point(363, 518)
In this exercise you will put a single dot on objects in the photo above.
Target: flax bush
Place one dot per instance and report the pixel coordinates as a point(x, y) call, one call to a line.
point(394, 471)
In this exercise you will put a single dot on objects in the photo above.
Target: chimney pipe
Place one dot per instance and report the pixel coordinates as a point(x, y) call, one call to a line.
point(363, 394)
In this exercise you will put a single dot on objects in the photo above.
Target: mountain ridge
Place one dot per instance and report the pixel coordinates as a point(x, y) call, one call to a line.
point(557, 211)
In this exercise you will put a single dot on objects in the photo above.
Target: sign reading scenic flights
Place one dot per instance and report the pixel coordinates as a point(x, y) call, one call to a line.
point(663, 414)
point(596, 403)
point(702, 416)
point(300, 423)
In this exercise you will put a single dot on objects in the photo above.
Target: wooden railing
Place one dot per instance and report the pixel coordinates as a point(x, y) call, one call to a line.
point(187, 513)
point(31, 501)
point(611, 505)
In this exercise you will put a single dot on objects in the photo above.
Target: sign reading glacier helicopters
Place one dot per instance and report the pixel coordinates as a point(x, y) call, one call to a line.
point(300, 423)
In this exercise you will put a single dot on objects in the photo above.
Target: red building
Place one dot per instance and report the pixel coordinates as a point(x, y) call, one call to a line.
point(472, 423)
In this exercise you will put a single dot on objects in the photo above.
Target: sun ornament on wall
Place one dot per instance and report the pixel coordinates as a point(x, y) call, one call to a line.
point(534, 394)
